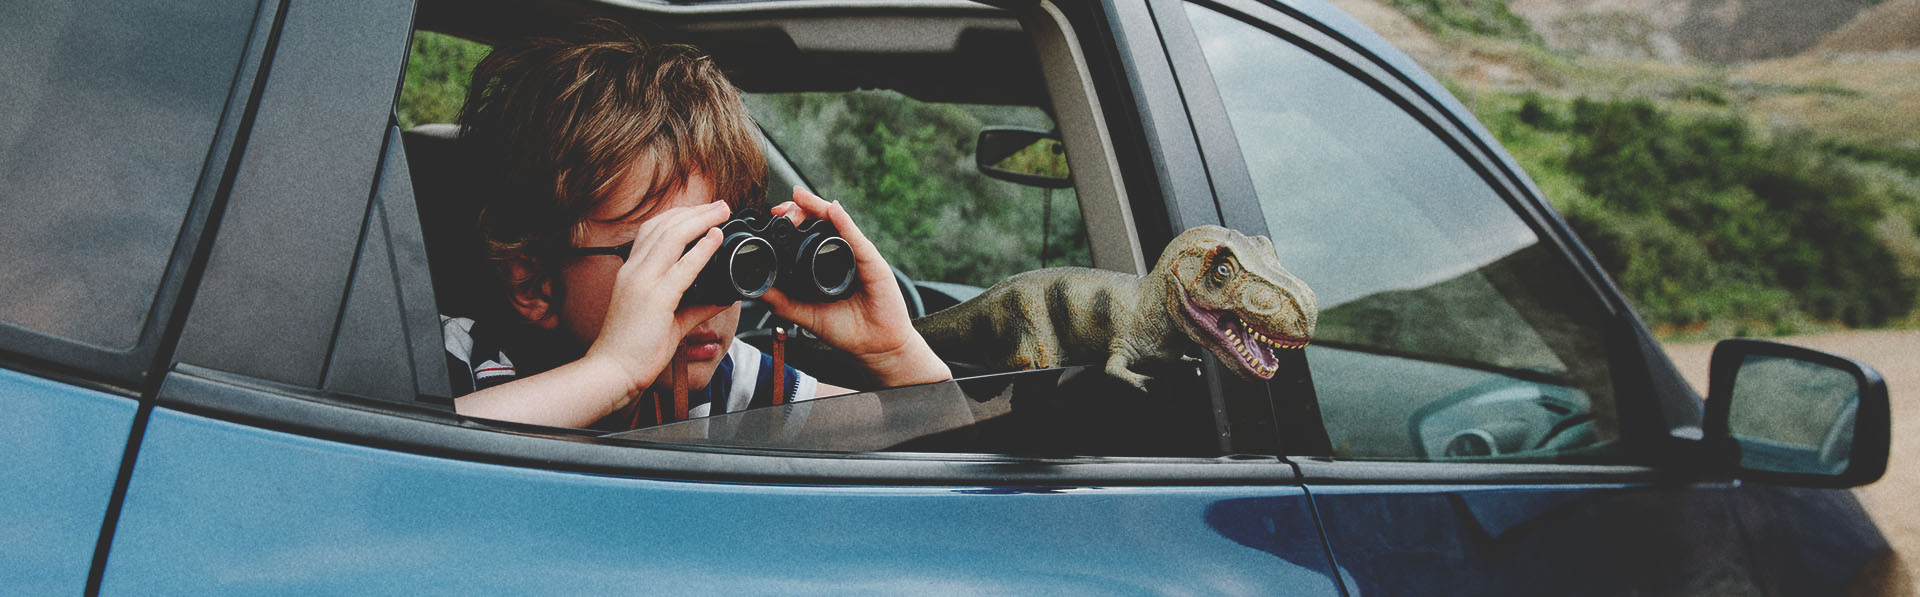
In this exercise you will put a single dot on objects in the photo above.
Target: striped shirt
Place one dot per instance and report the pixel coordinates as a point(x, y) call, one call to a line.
point(744, 379)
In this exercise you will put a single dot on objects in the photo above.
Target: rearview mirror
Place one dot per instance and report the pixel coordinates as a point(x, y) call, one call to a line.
point(1026, 156)
point(1796, 416)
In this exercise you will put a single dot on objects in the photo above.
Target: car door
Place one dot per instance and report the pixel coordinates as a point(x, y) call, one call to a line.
point(1495, 419)
point(287, 450)
point(117, 128)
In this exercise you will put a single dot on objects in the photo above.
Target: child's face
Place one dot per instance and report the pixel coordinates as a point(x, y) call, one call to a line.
point(589, 281)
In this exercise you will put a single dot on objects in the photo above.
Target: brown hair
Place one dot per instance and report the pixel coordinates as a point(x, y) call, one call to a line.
point(556, 123)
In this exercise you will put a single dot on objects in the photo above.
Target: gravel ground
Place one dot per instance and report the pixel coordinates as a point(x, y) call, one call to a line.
point(1891, 501)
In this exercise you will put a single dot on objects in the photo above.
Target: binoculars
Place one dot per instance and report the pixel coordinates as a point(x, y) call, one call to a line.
point(809, 262)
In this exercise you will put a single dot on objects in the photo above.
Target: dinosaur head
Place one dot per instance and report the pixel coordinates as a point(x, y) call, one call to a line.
point(1229, 294)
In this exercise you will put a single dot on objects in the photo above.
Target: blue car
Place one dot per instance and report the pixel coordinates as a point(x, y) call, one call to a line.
point(226, 257)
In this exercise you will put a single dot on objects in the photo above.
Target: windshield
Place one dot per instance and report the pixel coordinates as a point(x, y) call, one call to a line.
point(906, 169)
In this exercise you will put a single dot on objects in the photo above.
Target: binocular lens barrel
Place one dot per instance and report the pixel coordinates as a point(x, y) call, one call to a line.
point(829, 260)
point(751, 265)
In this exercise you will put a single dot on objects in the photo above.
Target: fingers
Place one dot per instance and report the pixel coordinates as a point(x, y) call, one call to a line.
point(837, 214)
point(874, 270)
point(682, 272)
point(686, 225)
point(779, 302)
point(791, 211)
point(662, 240)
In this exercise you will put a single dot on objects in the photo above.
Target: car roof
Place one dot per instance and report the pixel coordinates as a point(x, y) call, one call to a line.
point(974, 53)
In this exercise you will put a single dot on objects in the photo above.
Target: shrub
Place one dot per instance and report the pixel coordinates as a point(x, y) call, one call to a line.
point(1700, 221)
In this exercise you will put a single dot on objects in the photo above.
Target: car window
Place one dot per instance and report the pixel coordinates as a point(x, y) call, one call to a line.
point(906, 168)
point(105, 122)
point(1448, 329)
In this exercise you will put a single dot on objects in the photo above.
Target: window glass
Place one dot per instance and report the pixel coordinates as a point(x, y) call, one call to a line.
point(105, 121)
point(1447, 328)
point(906, 169)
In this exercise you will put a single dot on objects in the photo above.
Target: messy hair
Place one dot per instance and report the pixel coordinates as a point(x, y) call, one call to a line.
point(556, 123)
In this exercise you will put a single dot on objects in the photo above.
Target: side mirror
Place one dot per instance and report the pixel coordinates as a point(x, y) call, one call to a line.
point(1025, 156)
point(1795, 416)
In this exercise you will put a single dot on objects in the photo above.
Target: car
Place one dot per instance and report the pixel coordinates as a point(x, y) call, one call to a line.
point(227, 258)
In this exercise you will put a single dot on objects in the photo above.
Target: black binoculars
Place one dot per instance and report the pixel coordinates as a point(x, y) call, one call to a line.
point(809, 262)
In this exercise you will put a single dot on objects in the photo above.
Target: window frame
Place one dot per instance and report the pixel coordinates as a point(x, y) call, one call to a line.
point(134, 370)
point(1659, 414)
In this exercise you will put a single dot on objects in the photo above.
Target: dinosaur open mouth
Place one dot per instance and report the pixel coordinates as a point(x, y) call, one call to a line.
point(1253, 348)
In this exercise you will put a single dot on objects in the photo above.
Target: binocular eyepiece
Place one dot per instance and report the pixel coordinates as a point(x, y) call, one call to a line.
point(810, 262)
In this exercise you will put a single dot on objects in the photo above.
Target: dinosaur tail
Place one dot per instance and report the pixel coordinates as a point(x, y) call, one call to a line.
point(954, 333)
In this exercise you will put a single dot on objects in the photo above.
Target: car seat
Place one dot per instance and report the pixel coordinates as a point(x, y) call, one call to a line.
point(464, 283)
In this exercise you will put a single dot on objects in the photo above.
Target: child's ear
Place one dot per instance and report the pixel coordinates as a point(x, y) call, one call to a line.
point(533, 301)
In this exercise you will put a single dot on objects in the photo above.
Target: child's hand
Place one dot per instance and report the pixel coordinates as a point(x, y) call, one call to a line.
point(872, 324)
point(642, 329)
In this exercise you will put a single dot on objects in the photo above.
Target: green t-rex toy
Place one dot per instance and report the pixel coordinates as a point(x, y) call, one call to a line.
point(1212, 286)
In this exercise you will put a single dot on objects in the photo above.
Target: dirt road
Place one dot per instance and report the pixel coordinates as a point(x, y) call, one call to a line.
point(1897, 355)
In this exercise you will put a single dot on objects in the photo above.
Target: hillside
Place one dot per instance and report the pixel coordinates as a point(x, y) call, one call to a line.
point(1700, 30)
point(1741, 167)
point(1890, 27)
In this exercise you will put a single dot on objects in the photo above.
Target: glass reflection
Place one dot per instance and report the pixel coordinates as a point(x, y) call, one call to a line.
point(1793, 416)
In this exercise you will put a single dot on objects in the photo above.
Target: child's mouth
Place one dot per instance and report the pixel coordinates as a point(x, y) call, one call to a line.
point(700, 346)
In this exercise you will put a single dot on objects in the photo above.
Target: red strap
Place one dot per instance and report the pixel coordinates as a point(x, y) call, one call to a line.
point(679, 389)
point(649, 402)
point(779, 366)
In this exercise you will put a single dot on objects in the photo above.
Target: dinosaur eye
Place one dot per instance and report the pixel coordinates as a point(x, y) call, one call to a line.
point(1222, 271)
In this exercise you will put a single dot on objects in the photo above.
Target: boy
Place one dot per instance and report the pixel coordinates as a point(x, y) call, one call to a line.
point(597, 143)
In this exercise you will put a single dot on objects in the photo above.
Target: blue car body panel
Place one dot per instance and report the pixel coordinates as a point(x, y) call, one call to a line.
point(1808, 541)
point(217, 506)
point(60, 451)
point(1539, 540)
point(1620, 539)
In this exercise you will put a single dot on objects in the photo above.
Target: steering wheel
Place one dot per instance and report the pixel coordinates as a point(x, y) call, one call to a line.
point(915, 307)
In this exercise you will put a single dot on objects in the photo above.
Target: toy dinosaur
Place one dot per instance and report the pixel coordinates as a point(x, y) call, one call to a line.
point(1212, 286)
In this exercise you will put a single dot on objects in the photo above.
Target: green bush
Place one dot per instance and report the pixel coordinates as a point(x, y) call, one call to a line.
point(1489, 18)
point(438, 69)
point(906, 169)
point(1703, 223)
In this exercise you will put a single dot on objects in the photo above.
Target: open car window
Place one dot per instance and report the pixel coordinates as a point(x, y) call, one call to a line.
point(894, 136)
